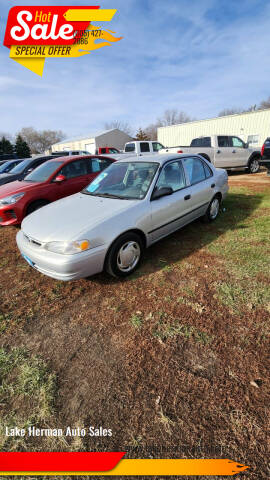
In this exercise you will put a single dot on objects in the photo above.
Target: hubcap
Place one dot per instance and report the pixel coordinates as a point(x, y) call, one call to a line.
point(254, 166)
point(214, 209)
point(128, 256)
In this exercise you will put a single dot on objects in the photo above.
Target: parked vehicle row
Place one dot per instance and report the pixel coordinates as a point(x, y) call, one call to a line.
point(55, 178)
point(223, 151)
point(130, 205)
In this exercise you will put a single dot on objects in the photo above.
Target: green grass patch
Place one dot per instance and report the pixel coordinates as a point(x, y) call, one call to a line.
point(136, 321)
point(166, 331)
point(27, 393)
point(244, 296)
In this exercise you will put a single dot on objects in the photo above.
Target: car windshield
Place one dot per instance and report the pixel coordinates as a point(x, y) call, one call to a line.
point(123, 180)
point(43, 173)
point(6, 167)
point(21, 166)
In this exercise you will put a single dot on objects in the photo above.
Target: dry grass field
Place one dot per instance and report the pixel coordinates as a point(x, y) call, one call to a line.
point(174, 359)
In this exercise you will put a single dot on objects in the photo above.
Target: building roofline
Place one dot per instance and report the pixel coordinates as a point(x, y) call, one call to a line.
point(217, 118)
point(85, 137)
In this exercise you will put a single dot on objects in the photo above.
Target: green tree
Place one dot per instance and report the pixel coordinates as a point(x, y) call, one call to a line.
point(141, 135)
point(5, 146)
point(21, 148)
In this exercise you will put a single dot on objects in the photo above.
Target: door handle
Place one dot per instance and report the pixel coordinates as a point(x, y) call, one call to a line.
point(213, 185)
point(187, 197)
point(233, 151)
point(218, 151)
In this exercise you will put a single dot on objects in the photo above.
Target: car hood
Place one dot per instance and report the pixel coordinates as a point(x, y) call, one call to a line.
point(16, 187)
point(68, 218)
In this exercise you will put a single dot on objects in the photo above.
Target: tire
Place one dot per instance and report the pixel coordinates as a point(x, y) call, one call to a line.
point(212, 211)
point(35, 206)
point(253, 165)
point(124, 255)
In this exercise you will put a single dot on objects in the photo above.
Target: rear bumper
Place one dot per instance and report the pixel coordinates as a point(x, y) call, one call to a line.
point(62, 267)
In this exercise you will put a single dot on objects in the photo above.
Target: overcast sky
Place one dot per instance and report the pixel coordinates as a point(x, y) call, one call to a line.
point(199, 56)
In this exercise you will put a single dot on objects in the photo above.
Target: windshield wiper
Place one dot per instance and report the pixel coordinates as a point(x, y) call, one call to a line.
point(105, 194)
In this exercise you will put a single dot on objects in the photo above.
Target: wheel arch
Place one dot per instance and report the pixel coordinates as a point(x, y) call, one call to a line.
point(31, 202)
point(256, 154)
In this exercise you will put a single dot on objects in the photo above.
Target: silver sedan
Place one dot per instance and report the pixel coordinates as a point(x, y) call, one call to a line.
point(128, 207)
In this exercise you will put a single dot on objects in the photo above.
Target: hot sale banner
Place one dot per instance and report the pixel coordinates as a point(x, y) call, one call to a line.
point(36, 33)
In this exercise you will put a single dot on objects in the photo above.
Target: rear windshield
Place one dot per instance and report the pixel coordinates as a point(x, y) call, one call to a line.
point(21, 166)
point(201, 142)
point(267, 142)
point(43, 173)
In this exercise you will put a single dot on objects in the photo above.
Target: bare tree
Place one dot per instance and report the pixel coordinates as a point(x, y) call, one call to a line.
point(39, 141)
point(169, 117)
point(173, 117)
point(124, 126)
point(265, 104)
point(230, 111)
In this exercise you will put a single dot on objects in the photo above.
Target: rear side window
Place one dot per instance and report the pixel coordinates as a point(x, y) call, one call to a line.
point(208, 171)
point(224, 141)
point(74, 169)
point(195, 169)
point(145, 147)
point(130, 147)
point(96, 165)
point(201, 142)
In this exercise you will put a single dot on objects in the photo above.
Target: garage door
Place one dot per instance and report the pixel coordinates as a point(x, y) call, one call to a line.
point(90, 147)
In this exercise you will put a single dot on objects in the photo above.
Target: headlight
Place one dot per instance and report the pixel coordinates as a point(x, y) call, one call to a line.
point(68, 248)
point(12, 199)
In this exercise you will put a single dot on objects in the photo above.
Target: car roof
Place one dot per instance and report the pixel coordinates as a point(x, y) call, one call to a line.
point(160, 158)
point(70, 158)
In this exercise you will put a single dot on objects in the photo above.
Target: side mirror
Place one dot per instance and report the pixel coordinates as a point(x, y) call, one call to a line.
point(60, 179)
point(246, 145)
point(161, 192)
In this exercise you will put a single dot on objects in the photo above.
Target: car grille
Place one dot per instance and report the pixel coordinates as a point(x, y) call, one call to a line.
point(31, 240)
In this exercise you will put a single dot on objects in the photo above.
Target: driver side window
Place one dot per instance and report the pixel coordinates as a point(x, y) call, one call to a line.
point(173, 176)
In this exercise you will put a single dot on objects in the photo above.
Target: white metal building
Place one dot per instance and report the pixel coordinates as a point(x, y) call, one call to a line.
point(108, 138)
point(253, 127)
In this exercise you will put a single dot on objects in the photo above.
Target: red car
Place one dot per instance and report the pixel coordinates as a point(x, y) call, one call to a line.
point(54, 179)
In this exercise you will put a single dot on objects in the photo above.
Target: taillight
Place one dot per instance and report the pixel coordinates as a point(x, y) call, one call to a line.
point(179, 151)
point(262, 152)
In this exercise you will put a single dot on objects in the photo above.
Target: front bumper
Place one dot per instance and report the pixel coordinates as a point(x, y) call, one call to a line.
point(62, 267)
point(8, 215)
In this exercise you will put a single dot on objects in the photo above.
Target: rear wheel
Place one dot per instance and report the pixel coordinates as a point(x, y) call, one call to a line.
point(125, 255)
point(35, 206)
point(212, 211)
point(254, 166)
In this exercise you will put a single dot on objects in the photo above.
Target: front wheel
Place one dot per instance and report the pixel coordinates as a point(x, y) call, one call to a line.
point(253, 166)
point(212, 211)
point(124, 255)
